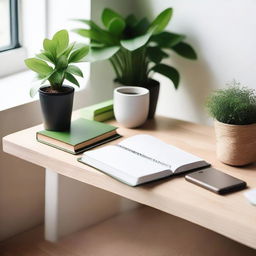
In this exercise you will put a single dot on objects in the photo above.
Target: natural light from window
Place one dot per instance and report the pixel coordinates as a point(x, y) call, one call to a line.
point(5, 30)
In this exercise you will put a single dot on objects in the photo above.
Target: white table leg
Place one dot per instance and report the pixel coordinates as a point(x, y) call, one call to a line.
point(71, 205)
point(51, 205)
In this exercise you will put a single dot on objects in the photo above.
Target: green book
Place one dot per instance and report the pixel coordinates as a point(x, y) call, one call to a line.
point(99, 112)
point(104, 116)
point(83, 135)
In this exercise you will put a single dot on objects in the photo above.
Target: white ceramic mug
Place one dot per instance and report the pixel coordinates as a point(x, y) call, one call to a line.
point(131, 105)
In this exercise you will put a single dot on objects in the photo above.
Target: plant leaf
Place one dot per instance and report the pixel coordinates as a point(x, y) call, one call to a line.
point(74, 70)
point(116, 26)
point(135, 43)
point(101, 37)
point(57, 78)
point(167, 39)
point(108, 15)
point(88, 33)
point(90, 23)
point(68, 50)
point(161, 21)
point(45, 78)
point(45, 56)
point(131, 20)
point(62, 62)
point(99, 54)
point(50, 46)
point(34, 90)
point(38, 66)
point(155, 54)
point(78, 54)
point(62, 40)
point(141, 27)
point(185, 50)
point(71, 79)
point(169, 72)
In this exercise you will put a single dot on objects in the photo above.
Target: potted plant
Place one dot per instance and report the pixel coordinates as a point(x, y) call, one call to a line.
point(53, 65)
point(234, 111)
point(136, 49)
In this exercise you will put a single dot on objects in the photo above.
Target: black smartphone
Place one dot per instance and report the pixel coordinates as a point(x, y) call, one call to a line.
point(216, 181)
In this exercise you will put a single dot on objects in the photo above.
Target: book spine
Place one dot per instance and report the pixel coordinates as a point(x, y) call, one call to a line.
point(104, 116)
point(99, 117)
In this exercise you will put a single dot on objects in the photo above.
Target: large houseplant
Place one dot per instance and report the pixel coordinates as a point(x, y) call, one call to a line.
point(234, 111)
point(136, 48)
point(54, 65)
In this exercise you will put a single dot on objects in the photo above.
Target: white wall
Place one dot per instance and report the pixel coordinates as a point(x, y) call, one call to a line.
point(223, 34)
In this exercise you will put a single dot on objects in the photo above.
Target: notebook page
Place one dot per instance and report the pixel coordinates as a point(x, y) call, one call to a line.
point(161, 151)
point(125, 161)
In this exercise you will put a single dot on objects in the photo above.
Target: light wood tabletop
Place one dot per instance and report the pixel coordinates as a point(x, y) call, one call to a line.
point(230, 215)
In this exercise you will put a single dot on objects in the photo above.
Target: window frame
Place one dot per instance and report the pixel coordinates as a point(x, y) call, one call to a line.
point(14, 27)
point(21, 43)
point(14, 24)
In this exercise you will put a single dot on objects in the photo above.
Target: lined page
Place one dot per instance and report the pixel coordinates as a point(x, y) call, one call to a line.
point(161, 151)
point(125, 162)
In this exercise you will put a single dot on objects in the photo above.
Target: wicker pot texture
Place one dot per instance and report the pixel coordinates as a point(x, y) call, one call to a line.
point(236, 144)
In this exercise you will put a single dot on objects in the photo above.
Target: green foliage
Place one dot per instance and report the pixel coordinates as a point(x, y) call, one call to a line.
point(53, 64)
point(234, 105)
point(135, 48)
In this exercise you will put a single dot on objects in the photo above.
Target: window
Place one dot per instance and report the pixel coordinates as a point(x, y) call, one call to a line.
point(22, 27)
point(9, 28)
point(11, 52)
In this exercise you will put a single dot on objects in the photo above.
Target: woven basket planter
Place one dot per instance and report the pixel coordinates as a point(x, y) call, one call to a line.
point(236, 144)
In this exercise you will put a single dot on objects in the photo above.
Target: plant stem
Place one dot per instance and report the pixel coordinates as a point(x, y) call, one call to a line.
point(115, 66)
point(131, 67)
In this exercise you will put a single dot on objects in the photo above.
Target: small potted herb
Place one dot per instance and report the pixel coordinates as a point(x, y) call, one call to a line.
point(136, 49)
point(234, 111)
point(53, 65)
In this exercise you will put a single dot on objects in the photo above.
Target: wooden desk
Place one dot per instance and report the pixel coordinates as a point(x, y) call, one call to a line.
point(230, 215)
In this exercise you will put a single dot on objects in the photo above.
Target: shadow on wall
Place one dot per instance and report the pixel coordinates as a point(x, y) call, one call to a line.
point(102, 74)
point(101, 79)
point(196, 79)
point(21, 183)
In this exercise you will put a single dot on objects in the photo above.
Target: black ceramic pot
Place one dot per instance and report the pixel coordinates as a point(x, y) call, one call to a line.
point(57, 108)
point(153, 86)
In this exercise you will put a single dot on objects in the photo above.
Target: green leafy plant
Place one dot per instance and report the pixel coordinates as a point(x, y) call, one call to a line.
point(135, 48)
point(53, 64)
point(234, 105)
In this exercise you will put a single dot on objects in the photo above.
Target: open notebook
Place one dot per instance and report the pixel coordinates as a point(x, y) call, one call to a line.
point(140, 159)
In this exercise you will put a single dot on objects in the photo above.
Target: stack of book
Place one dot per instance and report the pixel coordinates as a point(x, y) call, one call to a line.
point(99, 112)
point(83, 135)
